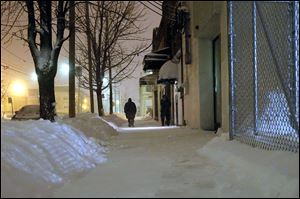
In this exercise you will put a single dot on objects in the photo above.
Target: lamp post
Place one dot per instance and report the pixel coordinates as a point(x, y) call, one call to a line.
point(11, 102)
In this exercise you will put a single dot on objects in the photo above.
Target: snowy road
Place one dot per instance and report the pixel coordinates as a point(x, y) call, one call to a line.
point(170, 162)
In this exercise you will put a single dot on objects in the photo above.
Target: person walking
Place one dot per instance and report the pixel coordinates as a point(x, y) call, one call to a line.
point(130, 111)
point(165, 106)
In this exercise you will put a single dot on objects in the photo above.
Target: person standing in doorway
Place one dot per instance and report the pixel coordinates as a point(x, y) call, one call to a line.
point(130, 111)
point(165, 106)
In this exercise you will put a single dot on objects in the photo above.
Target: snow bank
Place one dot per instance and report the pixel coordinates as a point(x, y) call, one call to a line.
point(39, 155)
point(92, 126)
point(251, 172)
point(116, 120)
point(275, 116)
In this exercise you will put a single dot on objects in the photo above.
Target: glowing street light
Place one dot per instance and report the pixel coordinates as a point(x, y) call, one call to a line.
point(85, 100)
point(34, 76)
point(65, 69)
point(84, 106)
point(105, 81)
point(18, 89)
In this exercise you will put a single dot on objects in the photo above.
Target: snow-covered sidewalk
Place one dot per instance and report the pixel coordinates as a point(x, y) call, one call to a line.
point(181, 162)
point(144, 161)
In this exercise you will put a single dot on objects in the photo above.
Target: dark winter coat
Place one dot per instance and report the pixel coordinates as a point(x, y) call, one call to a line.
point(165, 106)
point(130, 109)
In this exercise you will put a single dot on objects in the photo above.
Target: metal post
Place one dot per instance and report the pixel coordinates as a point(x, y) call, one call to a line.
point(254, 64)
point(181, 67)
point(87, 15)
point(12, 107)
point(231, 71)
point(296, 57)
point(72, 111)
point(78, 103)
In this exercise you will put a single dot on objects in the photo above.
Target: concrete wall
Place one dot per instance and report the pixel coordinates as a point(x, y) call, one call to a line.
point(224, 68)
point(208, 20)
point(191, 88)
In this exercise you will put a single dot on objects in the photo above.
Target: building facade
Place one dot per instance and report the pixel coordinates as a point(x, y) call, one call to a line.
point(239, 69)
point(205, 45)
point(31, 97)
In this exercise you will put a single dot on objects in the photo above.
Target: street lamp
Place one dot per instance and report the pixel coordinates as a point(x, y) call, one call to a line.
point(33, 76)
point(85, 100)
point(65, 69)
point(18, 89)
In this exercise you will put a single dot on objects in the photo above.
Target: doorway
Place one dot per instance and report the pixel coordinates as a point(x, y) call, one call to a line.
point(155, 105)
point(217, 81)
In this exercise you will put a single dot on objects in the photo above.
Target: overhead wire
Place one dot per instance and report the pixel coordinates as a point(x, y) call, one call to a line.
point(150, 8)
point(167, 16)
point(15, 55)
point(157, 2)
point(155, 5)
point(13, 69)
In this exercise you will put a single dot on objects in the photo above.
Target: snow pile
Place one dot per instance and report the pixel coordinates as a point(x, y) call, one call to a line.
point(92, 125)
point(39, 155)
point(116, 120)
point(275, 116)
point(252, 172)
point(168, 71)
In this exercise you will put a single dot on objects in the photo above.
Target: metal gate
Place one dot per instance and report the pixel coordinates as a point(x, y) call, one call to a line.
point(264, 73)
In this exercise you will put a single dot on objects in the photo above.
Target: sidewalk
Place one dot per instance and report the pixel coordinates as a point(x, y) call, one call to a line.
point(143, 163)
point(181, 162)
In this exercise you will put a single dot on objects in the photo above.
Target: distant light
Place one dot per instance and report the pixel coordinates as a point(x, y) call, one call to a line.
point(105, 81)
point(84, 106)
point(85, 100)
point(18, 89)
point(34, 76)
point(117, 102)
point(124, 129)
point(64, 69)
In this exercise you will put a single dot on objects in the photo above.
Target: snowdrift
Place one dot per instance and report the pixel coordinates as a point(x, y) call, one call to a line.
point(92, 126)
point(251, 172)
point(37, 156)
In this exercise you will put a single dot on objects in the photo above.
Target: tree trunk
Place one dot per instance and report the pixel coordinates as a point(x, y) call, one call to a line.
point(72, 61)
point(45, 57)
point(100, 102)
point(47, 97)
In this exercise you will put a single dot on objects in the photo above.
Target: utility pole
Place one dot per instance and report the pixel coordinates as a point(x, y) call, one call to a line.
point(110, 88)
point(72, 61)
point(89, 55)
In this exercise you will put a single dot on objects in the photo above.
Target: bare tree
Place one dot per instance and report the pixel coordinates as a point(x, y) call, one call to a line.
point(46, 56)
point(44, 47)
point(4, 90)
point(112, 23)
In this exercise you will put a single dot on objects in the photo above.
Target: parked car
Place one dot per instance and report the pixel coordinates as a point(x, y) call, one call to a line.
point(28, 112)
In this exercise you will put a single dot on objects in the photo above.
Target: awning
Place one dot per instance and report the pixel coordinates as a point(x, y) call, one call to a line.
point(166, 50)
point(154, 60)
point(168, 72)
point(148, 79)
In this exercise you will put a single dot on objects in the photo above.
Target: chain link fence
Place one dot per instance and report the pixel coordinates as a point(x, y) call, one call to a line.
point(264, 73)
